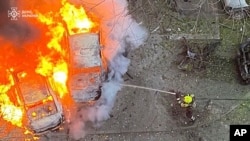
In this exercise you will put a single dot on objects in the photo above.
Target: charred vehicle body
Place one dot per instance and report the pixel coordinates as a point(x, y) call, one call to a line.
point(243, 60)
point(87, 67)
point(42, 108)
point(237, 9)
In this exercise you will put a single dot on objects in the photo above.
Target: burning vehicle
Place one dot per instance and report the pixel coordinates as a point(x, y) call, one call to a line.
point(42, 108)
point(86, 63)
point(87, 69)
point(237, 9)
point(243, 60)
point(65, 65)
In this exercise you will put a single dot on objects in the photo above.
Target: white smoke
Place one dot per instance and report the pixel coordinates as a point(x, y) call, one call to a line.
point(119, 33)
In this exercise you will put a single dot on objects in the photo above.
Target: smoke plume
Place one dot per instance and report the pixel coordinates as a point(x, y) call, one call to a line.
point(119, 34)
point(16, 31)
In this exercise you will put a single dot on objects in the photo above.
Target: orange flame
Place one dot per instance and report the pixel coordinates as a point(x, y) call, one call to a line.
point(49, 66)
point(8, 110)
point(28, 132)
point(76, 19)
point(12, 113)
point(52, 62)
point(56, 73)
point(60, 75)
point(56, 31)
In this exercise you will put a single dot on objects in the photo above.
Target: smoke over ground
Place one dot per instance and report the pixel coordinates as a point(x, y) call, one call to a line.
point(119, 34)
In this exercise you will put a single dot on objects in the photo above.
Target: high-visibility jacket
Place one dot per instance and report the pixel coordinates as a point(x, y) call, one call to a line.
point(186, 100)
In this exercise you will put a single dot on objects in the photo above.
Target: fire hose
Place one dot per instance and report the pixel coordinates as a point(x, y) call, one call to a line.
point(173, 93)
point(147, 88)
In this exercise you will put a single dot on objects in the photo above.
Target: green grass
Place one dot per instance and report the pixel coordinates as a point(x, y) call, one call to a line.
point(233, 32)
point(221, 69)
point(241, 114)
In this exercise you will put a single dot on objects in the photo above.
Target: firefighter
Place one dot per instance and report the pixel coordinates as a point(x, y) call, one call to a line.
point(187, 101)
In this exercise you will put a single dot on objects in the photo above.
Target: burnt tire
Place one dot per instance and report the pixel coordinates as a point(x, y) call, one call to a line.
point(240, 73)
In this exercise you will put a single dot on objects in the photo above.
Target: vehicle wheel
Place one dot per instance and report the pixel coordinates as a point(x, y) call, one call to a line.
point(240, 75)
point(245, 82)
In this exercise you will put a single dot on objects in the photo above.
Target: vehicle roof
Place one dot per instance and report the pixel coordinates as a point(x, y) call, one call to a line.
point(33, 87)
point(85, 50)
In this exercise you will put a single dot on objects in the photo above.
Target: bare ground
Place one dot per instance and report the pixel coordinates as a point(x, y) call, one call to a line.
point(148, 115)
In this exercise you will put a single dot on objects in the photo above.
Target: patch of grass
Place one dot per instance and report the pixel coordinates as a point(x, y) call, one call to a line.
point(233, 32)
point(221, 69)
point(241, 114)
point(190, 25)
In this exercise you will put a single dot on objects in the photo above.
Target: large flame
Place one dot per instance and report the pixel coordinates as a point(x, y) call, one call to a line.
point(76, 18)
point(57, 73)
point(8, 110)
point(46, 54)
point(76, 21)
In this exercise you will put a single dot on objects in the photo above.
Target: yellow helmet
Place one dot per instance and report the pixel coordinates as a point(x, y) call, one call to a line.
point(188, 99)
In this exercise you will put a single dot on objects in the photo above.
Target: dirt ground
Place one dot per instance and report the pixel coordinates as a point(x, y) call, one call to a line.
point(141, 115)
point(144, 115)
